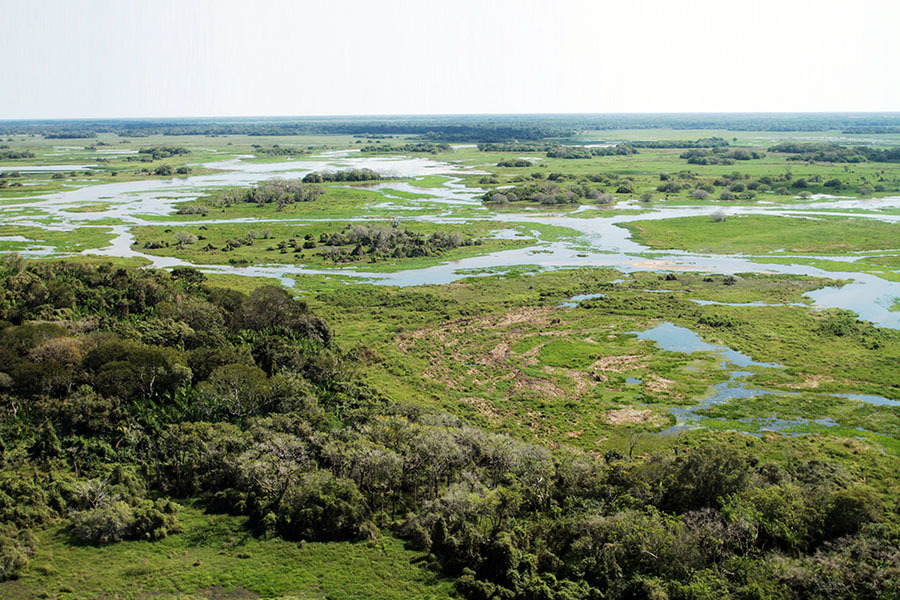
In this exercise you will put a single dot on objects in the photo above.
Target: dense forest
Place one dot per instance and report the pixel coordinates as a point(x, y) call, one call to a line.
point(126, 392)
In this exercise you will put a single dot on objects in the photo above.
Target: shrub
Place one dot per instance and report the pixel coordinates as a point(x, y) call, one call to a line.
point(102, 525)
point(15, 546)
point(154, 520)
point(118, 521)
point(322, 507)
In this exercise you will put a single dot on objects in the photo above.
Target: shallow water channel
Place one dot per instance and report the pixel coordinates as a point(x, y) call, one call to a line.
point(599, 241)
point(673, 338)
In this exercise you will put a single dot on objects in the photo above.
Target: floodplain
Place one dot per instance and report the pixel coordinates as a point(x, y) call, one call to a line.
point(618, 295)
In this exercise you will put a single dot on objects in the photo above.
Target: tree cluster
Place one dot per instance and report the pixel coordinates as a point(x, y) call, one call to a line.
point(161, 152)
point(14, 154)
point(585, 152)
point(517, 146)
point(410, 148)
point(281, 192)
point(549, 192)
point(515, 162)
point(720, 156)
point(278, 150)
point(359, 242)
point(344, 175)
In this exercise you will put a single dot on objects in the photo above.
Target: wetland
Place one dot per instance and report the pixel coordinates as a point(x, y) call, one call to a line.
point(414, 358)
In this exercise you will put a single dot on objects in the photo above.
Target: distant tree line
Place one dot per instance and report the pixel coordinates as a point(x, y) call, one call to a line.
point(457, 128)
point(871, 130)
point(823, 152)
point(69, 135)
point(710, 142)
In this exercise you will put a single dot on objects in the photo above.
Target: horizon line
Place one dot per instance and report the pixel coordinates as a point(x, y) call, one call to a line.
point(445, 115)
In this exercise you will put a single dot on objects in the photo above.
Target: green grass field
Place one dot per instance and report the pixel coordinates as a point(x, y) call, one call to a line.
point(215, 557)
point(265, 238)
point(79, 239)
point(751, 234)
point(501, 352)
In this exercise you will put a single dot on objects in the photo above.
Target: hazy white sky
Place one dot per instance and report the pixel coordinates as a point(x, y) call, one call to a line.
point(161, 58)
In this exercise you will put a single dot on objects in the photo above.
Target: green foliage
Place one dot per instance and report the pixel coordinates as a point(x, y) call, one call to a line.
point(15, 547)
point(375, 242)
point(274, 424)
point(281, 192)
point(344, 175)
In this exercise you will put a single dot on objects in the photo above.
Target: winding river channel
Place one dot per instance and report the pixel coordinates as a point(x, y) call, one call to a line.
point(600, 241)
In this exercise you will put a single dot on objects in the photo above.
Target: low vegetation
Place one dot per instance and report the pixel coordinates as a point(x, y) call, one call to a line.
point(752, 234)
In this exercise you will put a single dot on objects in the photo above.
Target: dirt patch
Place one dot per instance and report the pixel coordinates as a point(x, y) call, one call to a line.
point(583, 383)
point(441, 374)
point(662, 264)
point(483, 408)
point(531, 315)
point(499, 354)
point(532, 385)
point(659, 385)
point(484, 345)
point(812, 382)
point(617, 364)
point(632, 416)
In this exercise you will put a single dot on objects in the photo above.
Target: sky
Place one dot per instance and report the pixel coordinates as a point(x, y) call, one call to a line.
point(192, 58)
